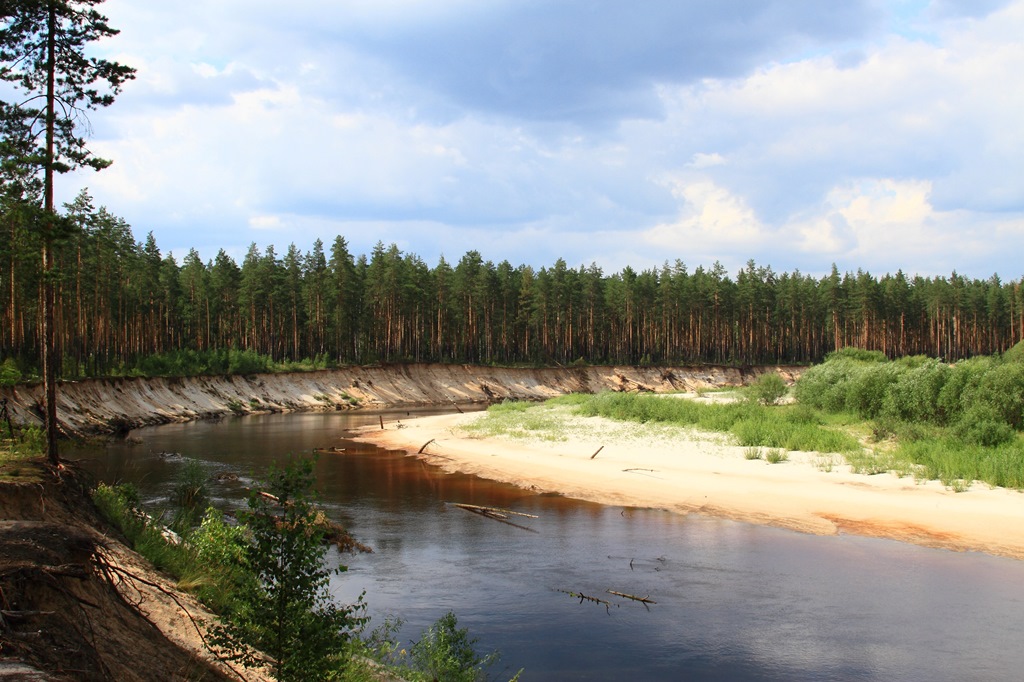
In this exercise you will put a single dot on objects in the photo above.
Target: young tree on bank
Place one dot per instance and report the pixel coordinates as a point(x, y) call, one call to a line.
point(42, 57)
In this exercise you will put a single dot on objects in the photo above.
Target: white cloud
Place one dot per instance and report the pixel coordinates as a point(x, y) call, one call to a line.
point(266, 222)
point(710, 218)
point(700, 160)
point(913, 151)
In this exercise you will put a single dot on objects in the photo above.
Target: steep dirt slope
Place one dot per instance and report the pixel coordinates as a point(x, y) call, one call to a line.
point(102, 405)
point(75, 603)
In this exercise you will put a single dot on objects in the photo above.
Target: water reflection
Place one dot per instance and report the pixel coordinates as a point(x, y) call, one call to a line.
point(734, 601)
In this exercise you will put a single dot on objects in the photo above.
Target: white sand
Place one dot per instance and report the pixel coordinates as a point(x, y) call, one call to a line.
point(683, 471)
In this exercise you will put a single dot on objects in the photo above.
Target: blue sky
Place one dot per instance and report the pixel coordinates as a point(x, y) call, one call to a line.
point(873, 134)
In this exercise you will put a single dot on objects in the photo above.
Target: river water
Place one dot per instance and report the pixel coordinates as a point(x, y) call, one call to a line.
point(733, 601)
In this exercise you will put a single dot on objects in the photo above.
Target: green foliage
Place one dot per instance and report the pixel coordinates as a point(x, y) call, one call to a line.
point(914, 395)
point(1002, 388)
point(286, 611)
point(10, 374)
point(222, 550)
point(446, 653)
point(518, 419)
point(190, 495)
point(954, 423)
point(120, 505)
point(1015, 353)
point(793, 427)
point(777, 431)
point(856, 355)
point(868, 386)
point(768, 389)
point(28, 441)
point(825, 386)
point(950, 460)
point(982, 425)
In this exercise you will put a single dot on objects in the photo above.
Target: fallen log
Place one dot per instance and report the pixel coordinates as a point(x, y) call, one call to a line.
point(643, 600)
point(586, 597)
point(598, 450)
point(420, 452)
point(492, 510)
point(499, 515)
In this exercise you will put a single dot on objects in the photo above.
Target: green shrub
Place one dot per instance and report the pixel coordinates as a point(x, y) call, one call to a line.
point(1002, 388)
point(825, 386)
point(1015, 354)
point(446, 652)
point(914, 396)
point(10, 374)
point(961, 386)
point(221, 549)
point(982, 425)
point(868, 386)
point(857, 355)
point(190, 495)
point(768, 389)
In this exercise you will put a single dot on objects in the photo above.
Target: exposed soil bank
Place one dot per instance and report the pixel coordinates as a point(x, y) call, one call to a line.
point(77, 604)
point(105, 405)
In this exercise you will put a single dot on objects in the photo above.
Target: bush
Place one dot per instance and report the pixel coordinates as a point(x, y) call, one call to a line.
point(1015, 354)
point(982, 425)
point(914, 396)
point(1002, 388)
point(446, 652)
point(768, 389)
point(857, 355)
point(961, 386)
point(9, 373)
point(825, 386)
point(868, 387)
point(190, 495)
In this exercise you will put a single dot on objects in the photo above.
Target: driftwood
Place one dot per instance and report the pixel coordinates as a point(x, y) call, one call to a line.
point(586, 597)
point(598, 450)
point(381, 417)
point(499, 515)
point(643, 600)
point(504, 513)
point(420, 452)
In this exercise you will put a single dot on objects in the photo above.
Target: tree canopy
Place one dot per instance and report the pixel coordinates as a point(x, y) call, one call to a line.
point(121, 299)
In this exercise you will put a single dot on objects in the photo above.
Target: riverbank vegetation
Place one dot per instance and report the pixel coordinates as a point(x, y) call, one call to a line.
point(125, 307)
point(267, 579)
point(956, 423)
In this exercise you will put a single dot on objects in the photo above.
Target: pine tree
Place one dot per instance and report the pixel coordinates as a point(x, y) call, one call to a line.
point(42, 52)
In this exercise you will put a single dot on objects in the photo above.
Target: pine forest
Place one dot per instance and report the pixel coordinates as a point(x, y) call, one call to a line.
point(120, 301)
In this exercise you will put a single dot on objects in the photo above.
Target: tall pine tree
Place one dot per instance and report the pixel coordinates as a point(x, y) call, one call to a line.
point(42, 56)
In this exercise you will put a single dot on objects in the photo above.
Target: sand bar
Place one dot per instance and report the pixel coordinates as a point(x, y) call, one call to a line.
point(685, 472)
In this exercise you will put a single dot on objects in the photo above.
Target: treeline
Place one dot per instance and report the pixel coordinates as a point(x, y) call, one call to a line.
point(120, 300)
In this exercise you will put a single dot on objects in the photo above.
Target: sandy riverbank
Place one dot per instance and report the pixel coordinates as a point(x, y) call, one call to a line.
point(684, 471)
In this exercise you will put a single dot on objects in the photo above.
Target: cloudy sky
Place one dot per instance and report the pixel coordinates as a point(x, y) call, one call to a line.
point(874, 134)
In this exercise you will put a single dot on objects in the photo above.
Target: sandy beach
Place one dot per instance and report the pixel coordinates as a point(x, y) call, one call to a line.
point(684, 471)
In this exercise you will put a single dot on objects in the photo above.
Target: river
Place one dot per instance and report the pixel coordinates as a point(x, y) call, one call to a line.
point(733, 601)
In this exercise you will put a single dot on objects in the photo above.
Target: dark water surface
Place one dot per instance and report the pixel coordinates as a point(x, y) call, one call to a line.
point(734, 601)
